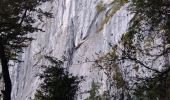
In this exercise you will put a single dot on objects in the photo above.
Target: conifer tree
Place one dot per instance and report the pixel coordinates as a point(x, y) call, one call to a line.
point(16, 22)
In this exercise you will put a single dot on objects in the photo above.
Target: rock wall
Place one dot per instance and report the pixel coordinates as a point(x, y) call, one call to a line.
point(75, 33)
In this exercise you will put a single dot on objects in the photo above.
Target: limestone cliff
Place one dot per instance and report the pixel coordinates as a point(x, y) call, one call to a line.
point(80, 30)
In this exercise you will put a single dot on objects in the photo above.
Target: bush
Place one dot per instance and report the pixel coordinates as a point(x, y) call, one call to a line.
point(100, 7)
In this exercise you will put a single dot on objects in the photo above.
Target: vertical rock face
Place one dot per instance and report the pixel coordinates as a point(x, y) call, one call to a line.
point(75, 33)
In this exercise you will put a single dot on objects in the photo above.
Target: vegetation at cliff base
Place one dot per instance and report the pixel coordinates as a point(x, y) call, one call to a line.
point(57, 83)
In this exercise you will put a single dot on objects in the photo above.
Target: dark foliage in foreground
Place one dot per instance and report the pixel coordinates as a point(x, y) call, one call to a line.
point(57, 83)
point(16, 22)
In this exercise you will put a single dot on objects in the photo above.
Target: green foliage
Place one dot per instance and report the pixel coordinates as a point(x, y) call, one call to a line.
point(94, 93)
point(153, 88)
point(151, 14)
point(127, 39)
point(126, 1)
point(16, 21)
point(100, 7)
point(117, 4)
point(151, 21)
point(118, 78)
point(112, 55)
point(57, 84)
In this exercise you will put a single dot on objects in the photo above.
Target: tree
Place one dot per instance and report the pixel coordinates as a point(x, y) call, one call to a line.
point(57, 83)
point(16, 22)
point(150, 23)
point(144, 50)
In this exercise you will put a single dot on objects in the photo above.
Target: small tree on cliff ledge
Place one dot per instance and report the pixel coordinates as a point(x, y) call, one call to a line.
point(16, 21)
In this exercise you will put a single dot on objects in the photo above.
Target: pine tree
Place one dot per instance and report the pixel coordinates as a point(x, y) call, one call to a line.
point(16, 22)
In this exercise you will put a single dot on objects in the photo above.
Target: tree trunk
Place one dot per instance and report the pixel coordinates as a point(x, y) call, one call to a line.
point(5, 74)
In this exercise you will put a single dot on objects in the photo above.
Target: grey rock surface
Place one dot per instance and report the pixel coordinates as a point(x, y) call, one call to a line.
point(73, 33)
